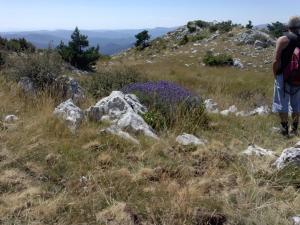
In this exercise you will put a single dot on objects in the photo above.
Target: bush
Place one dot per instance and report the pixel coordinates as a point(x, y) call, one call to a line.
point(16, 45)
point(77, 52)
point(42, 68)
point(169, 104)
point(277, 29)
point(2, 61)
point(223, 27)
point(217, 60)
point(202, 24)
point(184, 40)
point(102, 83)
point(199, 37)
point(191, 27)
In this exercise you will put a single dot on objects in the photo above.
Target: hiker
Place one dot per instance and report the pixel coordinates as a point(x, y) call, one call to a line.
point(286, 68)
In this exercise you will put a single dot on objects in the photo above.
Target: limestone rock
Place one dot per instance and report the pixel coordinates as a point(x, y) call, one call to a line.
point(288, 156)
point(70, 113)
point(257, 151)
point(115, 130)
point(261, 111)
point(188, 139)
point(211, 106)
point(11, 119)
point(134, 123)
point(237, 63)
point(27, 86)
point(232, 109)
point(296, 220)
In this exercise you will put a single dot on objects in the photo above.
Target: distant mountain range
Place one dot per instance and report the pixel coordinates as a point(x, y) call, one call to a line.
point(110, 41)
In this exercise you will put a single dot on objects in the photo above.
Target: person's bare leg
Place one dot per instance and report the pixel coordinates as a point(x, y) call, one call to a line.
point(284, 119)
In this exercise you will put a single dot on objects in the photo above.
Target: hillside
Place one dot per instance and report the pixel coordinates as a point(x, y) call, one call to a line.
point(110, 41)
point(202, 150)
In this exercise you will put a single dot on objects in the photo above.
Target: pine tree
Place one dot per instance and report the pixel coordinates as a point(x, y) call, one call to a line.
point(142, 39)
point(78, 53)
point(249, 25)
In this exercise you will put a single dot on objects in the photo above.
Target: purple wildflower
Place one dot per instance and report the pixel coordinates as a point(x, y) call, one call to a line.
point(167, 92)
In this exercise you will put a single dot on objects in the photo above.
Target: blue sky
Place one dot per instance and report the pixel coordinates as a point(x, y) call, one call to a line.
point(122, 14)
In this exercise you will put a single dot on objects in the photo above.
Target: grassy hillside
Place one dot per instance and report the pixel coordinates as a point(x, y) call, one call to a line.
point(51, 176)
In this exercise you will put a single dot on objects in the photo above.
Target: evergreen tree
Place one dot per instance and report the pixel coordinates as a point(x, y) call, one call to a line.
point(277, 29)
point(249, 25)
point(142, 39)
point(78, 53)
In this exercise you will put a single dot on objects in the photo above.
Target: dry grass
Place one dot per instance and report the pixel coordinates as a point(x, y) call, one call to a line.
point(50, 176)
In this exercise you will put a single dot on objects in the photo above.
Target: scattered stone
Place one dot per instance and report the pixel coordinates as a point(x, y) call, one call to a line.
point(232, 109)
point(259, 44)
point(11, 119)
point(115, 130)
point(70, 113)
point(288, 156)
point(237, 63)
point(211, 106)
point(188, 139)
point(296, 220)
point(261, 111)
point(257, 151)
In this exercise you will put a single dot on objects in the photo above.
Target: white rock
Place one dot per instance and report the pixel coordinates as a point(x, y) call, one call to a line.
point(27, 85)
point(115, 130)
point(261, 111)
point(10, 119)
point(296, 220)
point(70, 113)
point(114, 106)
point(210, 105)
point(257, 151)
point(232, 109)
point(290, 155)
point(237, 63)
point(242, 114)
point(297, 145)
point(134, 123)
point(189, 139)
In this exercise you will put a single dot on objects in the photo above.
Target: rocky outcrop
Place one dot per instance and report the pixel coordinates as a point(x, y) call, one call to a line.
point(211, 106)
point(256, 38)
point(238, 64)
point(115, 130)
point(254, 150)
point(288, 156)
point(70, 113)
point(124, 111)
point(232, 109)
point(189, 139)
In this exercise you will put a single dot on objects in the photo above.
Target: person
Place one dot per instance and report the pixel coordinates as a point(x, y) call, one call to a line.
point(287, 96)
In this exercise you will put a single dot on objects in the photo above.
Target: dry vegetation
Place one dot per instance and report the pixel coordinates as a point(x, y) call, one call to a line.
point(50, 176)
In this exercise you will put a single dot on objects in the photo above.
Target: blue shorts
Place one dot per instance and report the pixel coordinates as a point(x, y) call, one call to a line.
point(283, 101)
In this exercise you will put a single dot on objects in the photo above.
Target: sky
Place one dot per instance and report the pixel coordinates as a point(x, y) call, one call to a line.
point(21, 15)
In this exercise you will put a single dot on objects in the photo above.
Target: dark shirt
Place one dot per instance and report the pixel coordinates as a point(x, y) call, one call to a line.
point(287, 53)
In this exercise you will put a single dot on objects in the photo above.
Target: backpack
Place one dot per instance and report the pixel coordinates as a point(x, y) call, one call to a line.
point(291, 73)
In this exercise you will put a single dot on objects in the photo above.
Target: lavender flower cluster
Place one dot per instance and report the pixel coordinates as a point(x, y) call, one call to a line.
point(167, 92)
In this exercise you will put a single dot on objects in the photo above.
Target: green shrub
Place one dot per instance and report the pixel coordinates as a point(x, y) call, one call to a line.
point(155, 119)
point(202, 24)
point(42, 68)
point(16, 45)
point(2, 60)
point(198, 37)
point(102, 83)
point(249, 25)
point(277, 29)
point(77, 52)
point(191, 26)
point(184, 40)
point(217, 60)
point(223, 27)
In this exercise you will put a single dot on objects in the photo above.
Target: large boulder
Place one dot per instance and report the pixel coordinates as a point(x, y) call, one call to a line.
point(288, 156)
point(114, 106)
point(250, 37)
point(123, 110)
point(115, 130)
point(70, 113)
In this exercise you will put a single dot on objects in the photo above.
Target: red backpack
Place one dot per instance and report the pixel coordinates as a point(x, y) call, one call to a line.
point(291, 73)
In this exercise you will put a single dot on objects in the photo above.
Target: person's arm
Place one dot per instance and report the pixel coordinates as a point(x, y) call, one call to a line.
point(281, 44)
